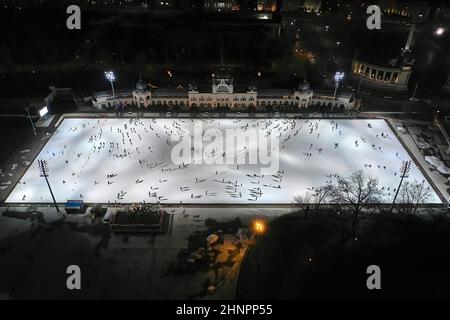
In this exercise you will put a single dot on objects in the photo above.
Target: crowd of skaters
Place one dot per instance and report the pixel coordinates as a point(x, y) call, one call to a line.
point(135, 140)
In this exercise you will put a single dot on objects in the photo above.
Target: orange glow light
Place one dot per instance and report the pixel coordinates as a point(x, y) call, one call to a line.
point(259, 226)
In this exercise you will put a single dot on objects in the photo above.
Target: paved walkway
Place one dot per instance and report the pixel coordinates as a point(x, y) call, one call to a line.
point(18, 163)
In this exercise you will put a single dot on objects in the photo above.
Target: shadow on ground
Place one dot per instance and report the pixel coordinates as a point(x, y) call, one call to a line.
point(308, 259)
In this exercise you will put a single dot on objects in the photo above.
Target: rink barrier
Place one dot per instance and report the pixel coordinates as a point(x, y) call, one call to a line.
point(60, 120)
point(295, 207)
point(215, 115)
point(229, 115)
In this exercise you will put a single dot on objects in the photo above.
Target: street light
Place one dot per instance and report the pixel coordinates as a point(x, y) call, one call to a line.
point(259, 226)
point(413, 98)
point(111, 78)
point(43, 171)
point(27, 109)
point(439, 31)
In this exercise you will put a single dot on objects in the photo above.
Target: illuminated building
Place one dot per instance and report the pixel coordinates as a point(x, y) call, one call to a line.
point(222, 93)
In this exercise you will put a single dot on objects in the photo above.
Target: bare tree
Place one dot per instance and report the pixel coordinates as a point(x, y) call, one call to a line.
point(318, 196)
point(304, 202)
point(356, 190)
point(412, 194)
point(322, 194)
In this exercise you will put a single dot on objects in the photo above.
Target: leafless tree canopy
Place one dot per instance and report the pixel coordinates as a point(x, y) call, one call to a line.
point(412, 194)
point(304, 199)
point(356, 190)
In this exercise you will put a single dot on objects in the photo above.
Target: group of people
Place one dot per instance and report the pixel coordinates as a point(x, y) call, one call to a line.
point(146, 146)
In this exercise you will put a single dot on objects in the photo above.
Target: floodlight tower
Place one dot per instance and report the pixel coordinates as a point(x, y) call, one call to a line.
point(338, 76)
point(111, 78)
point(404, 171)
point(43, 170)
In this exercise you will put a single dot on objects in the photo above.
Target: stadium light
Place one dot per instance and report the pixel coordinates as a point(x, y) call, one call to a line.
point(338, 76)
point(111, 78)
point(404, 172)
point(43, 171)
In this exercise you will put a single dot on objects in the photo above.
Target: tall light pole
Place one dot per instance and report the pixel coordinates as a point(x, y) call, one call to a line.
point(409, 41)
point(404, 171)
point(43, 170)
point(111, 78)
point(359, 84)
point(338, 76)
point(413, 98)
point(27, 109)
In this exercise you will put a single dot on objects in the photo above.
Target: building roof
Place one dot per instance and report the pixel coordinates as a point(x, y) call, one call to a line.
point(170, 93)
point(141, 85)
point(274, 93)
point(108, 94)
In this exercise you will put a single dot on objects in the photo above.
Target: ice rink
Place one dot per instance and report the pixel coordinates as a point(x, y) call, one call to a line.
point(129, 160)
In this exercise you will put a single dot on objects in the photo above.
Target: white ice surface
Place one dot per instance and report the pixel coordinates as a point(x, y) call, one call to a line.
point(90, 163)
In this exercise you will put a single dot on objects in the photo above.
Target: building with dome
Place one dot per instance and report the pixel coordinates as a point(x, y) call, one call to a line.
point(141, 95)
point(222, 93)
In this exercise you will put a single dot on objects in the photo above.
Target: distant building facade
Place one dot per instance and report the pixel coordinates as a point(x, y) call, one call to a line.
point(416, 10)
point(222, 94)
point(313, 6)
point(267, 5)
point(220, 5)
